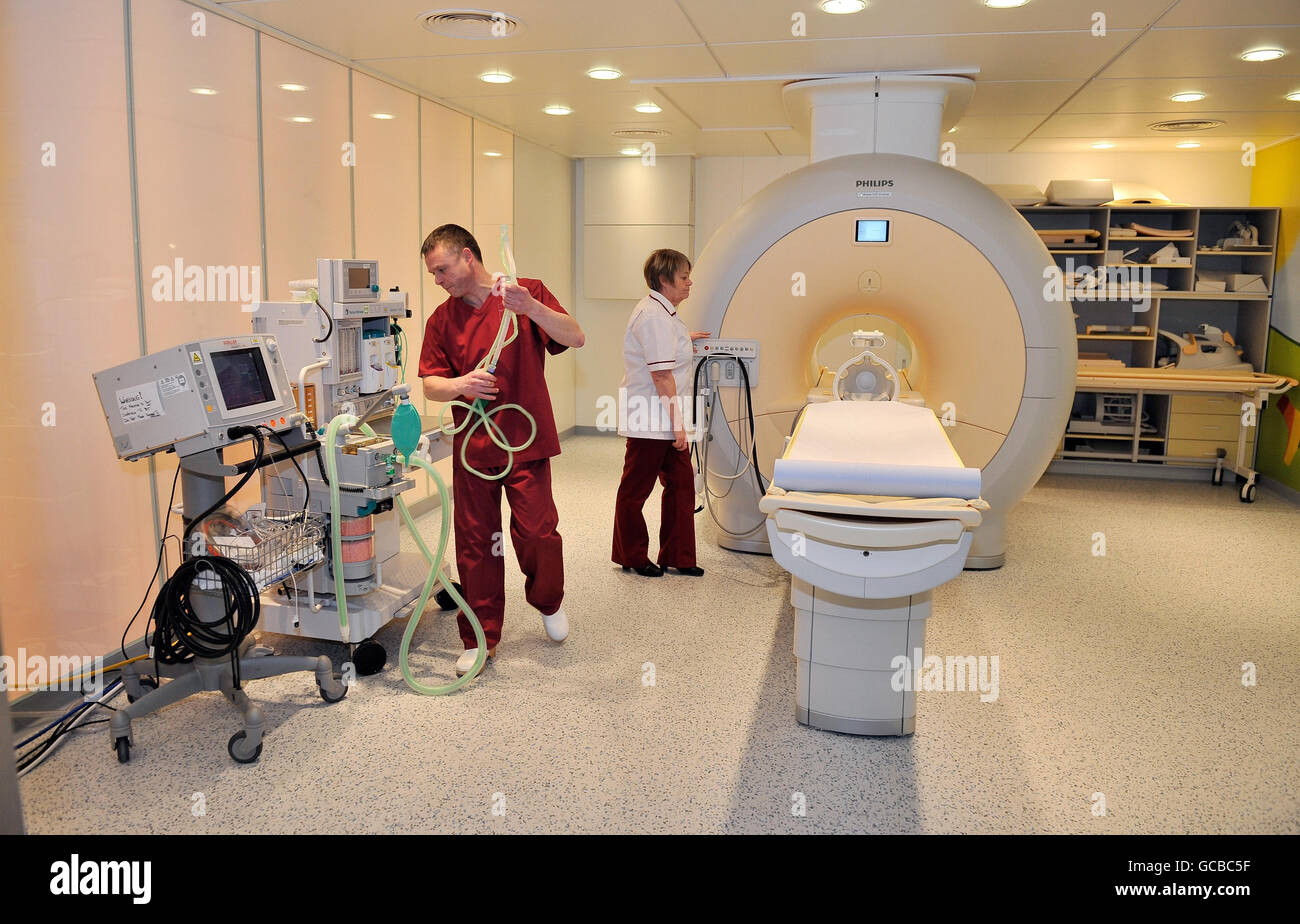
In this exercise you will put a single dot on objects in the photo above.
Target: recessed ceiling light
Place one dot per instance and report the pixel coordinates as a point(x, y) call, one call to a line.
point(1294, 97)
point(1192, 97)
point(648, 108)
point(1263, 54)
point(203, 91)
point(843, 6)
point(556, 110)
point(1188, 144)
point(382, 115)
point(293, 87)
point(1103, 145)
point(604, 73)
point(491, 153)
point(629, 152)
point(299, 118)
point(496, 77)
point(953, 129)
point(1004, 4)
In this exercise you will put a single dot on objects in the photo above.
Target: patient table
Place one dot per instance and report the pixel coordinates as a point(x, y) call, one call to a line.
point(869, 509)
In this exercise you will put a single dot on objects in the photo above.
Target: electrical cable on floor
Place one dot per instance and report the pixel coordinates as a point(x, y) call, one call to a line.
point(77, 716)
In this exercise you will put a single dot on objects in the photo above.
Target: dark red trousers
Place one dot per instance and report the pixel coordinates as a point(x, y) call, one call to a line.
point(646, 460)
point(480, 546)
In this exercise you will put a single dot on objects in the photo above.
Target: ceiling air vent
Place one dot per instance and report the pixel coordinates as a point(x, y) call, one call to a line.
point(640, 133)
point(471, 24)
point(1185, 125)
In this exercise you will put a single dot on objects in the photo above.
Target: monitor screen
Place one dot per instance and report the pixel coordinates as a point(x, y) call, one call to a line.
point(241, 376)
point(358, 277)
point(873, 230)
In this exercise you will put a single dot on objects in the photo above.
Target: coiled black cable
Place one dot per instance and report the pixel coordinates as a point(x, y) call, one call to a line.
point(180, 634)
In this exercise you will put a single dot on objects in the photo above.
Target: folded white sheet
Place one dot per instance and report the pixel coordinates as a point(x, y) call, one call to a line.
point(874, 447)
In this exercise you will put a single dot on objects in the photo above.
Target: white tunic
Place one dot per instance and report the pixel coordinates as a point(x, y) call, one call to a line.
point(656, 341)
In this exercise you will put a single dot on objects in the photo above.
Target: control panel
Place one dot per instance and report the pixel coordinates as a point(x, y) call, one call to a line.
point(743, 351)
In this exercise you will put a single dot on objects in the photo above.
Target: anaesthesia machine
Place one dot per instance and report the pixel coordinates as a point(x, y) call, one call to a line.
point(319, 556)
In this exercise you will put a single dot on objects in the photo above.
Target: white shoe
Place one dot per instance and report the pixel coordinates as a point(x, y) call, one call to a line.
point(557, 625)
point(465, 663)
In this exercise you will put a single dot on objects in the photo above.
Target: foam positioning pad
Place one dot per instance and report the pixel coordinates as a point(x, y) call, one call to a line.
point(876, 448)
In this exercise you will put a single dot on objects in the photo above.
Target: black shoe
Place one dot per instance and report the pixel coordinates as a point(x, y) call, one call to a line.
point(690, 572)
point(647, 570)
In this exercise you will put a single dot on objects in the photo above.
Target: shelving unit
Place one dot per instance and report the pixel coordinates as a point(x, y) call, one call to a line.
point(1181, 431)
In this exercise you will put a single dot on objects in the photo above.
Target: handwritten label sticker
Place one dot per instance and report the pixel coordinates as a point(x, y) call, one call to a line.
point(139, 403)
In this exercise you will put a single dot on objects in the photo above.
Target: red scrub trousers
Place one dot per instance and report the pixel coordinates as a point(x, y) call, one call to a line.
point(480, 545)
point(645, 461)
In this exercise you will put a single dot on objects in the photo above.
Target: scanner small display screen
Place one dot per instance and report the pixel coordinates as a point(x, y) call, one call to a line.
point(873, 230)
point(358, 277)
point(242, 377)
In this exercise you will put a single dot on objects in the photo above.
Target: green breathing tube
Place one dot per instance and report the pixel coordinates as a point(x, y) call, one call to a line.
point(406, 433)
point(336, 541)
point(479, 415)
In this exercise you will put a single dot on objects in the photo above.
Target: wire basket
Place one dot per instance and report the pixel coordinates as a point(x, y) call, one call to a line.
point(279, 545)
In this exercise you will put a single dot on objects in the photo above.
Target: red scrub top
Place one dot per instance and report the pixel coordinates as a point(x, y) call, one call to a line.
point(456, 338)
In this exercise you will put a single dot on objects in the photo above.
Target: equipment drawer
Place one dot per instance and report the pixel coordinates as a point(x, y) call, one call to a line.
point(1204, 427)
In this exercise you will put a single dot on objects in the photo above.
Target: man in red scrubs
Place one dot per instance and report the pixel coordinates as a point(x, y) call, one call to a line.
point(456, 338)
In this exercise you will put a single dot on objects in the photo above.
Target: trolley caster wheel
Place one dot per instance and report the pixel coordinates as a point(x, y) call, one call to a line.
point(1216, 477)
point(369, 657)
point(239, 754)
point(148, 684)
point(332, 699)
point(123, 748)
point(1248, 494)
point(445, 601)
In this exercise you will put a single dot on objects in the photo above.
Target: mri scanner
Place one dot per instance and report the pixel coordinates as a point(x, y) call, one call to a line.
point(871, 503)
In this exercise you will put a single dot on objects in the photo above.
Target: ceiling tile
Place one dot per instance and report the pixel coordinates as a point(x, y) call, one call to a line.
point(1047, 56)
point(558, 72)
point(972, 127)
point(1147, 145)
point(1116, 125)
point(772, 20)
point(1019, 97)
point(730, 105)
point(1208, 53)
point(391, 28)
point(1202, 13)
point(1237, 94)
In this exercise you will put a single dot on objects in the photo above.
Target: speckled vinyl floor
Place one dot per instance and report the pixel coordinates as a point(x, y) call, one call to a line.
point(1119, 676)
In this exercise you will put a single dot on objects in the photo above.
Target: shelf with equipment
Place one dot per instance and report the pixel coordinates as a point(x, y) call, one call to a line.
point(1149, 279)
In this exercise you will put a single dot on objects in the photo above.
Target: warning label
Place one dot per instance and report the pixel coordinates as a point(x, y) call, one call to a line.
point(139, 403)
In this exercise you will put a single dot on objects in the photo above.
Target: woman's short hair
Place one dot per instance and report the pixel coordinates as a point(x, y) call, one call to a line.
point(664, 264)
